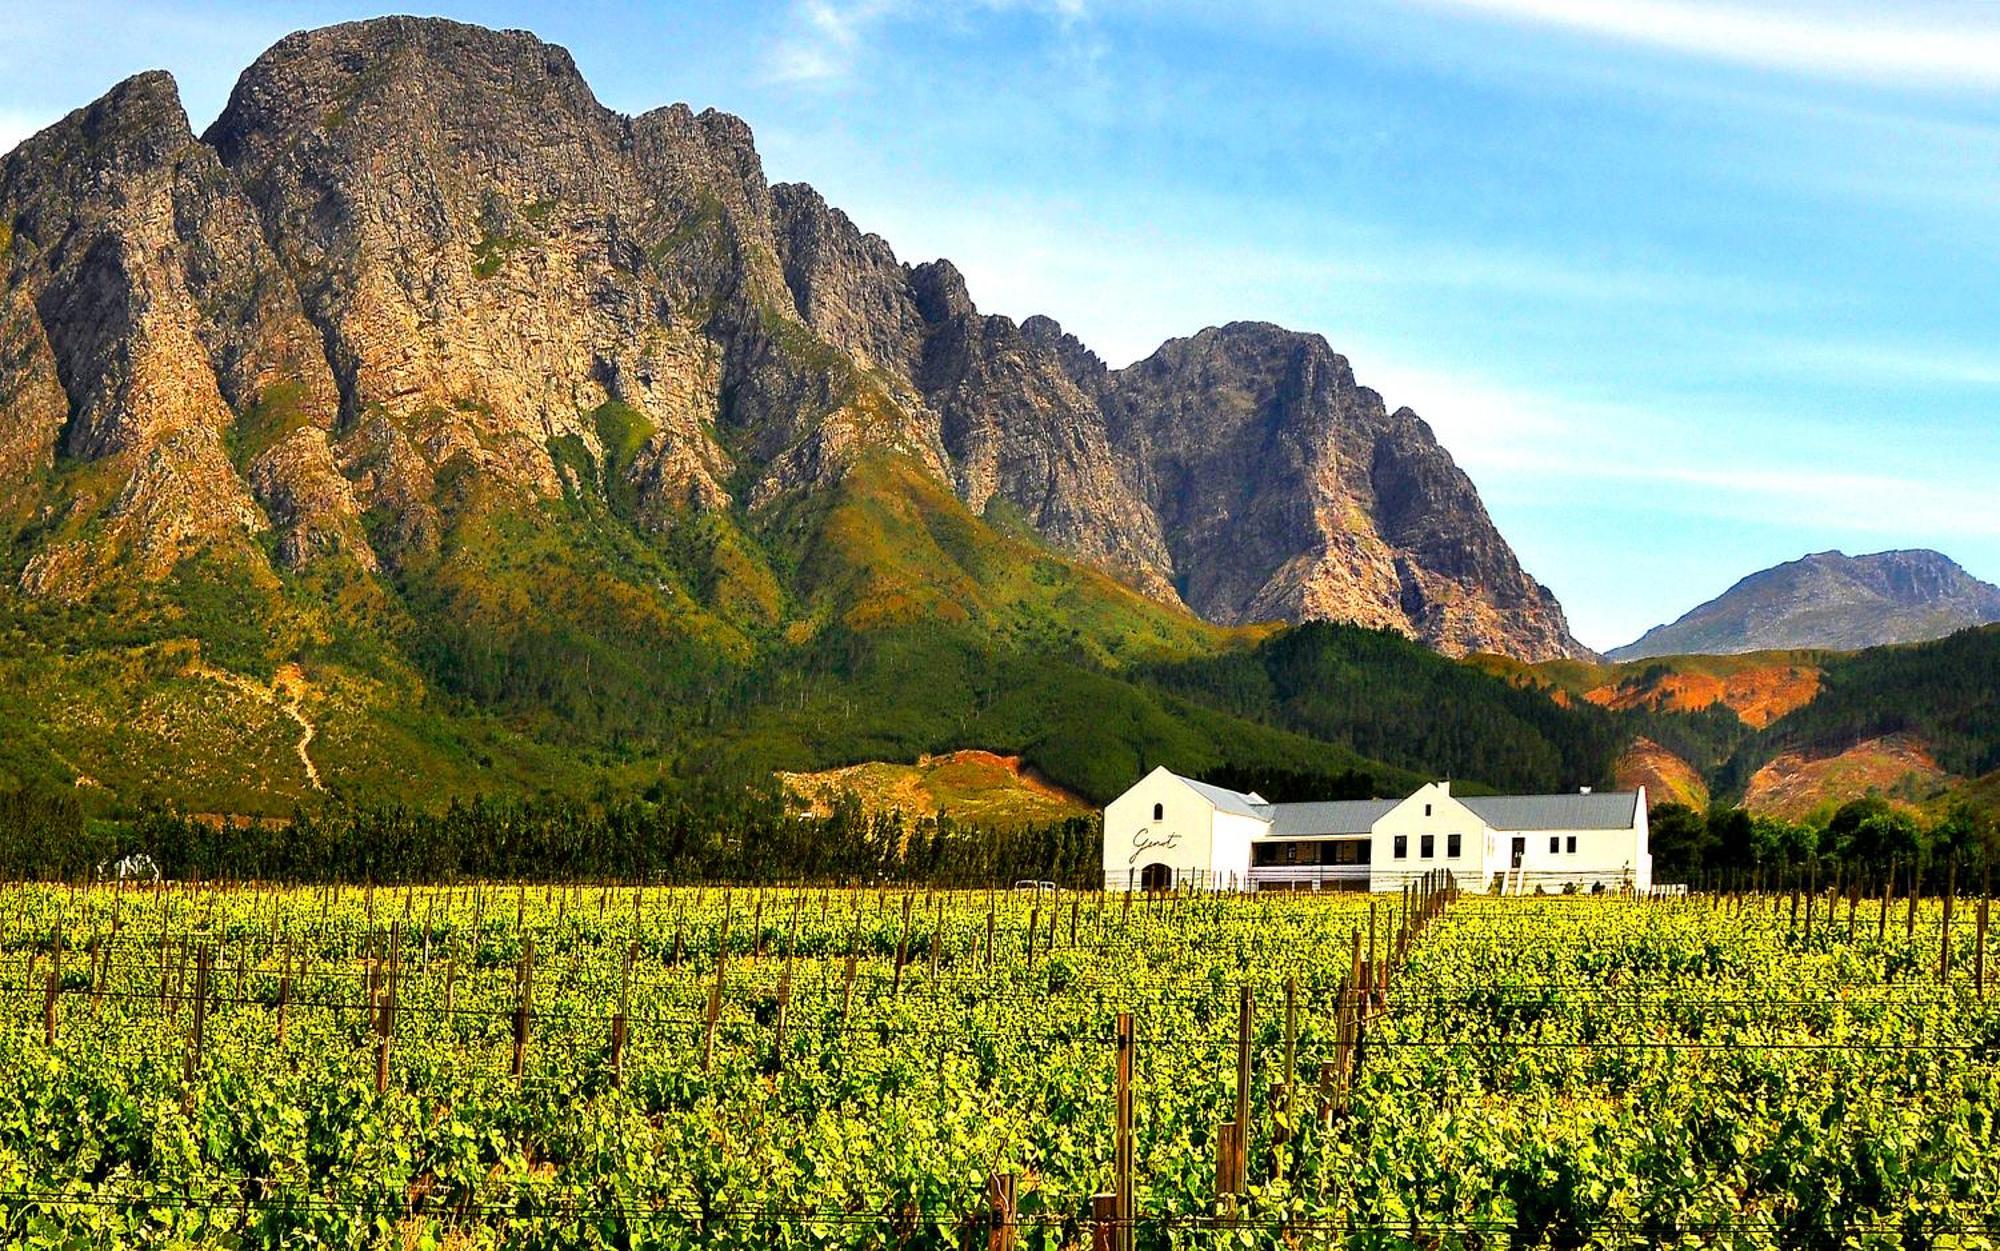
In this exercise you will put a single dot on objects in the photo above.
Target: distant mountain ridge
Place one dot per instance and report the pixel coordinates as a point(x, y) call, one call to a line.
point(426, 428)
point(415, 263)
point(1829, 600)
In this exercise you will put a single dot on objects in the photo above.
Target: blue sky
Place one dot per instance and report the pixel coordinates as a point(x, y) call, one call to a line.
point(1689, 289)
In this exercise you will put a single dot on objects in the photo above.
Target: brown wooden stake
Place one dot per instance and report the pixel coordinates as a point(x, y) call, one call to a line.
point(1244, 1007)
point(937, 940)
point(1002, 1196)
point(385, 1019)
point(285, 995)
point(1944, 930)
point(619, 1021)
point(1291, 1029)
point(196, 1038)
point(52, 987)
point(1122, 1147)
point(524, 997)
point(1979, 941)
point(902, 946)
point(1916, 896)
point(778, 1025)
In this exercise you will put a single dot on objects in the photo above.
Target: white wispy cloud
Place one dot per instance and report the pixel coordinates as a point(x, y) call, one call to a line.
point(1862, 361)
point(825, 40)
point(1907, 44)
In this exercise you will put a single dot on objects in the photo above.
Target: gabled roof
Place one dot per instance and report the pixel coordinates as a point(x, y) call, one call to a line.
point(1227, 800)
point(1330, 816)
point(1599, 810)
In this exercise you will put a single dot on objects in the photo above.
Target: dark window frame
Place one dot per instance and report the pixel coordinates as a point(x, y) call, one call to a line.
point(1454, 846)
point(1428, 846)
point(1402, 849)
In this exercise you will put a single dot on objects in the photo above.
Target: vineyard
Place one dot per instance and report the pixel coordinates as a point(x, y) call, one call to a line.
point(612, 1066)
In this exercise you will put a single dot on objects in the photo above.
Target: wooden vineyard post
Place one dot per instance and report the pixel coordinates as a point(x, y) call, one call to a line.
point(1944, 930)
point(53, 989)
point(1122, 1141)
point(778, 1023)
point(1979, 938)
point(989, 936)
point(937, 940)
point(1034, 925)
point(196, 1036)
point(847, 974)
point(1003, 1197)
point(902, 947)
point(1239, 1166)
point(1291, 1028)
point(714, 1012)
point(524, 994)
point(285, 993)
point(1916, 896)
point(619, 1022)
point(385, 1016)
point(1888, 895)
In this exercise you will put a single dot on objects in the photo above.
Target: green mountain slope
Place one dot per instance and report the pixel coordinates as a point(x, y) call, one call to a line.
point(1943, 694)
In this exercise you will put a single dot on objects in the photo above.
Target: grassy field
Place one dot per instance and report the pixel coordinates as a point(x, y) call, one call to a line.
point(609, 1067)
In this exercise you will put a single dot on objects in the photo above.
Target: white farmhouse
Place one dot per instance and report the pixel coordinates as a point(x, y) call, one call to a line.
point(1172, 831)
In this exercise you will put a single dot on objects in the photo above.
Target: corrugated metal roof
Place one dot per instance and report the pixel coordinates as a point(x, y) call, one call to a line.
point(1229, 801)
point(1330, 816)
point(1599, 810)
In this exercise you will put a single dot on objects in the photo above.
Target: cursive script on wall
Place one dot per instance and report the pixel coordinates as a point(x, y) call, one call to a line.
point(1142, 843)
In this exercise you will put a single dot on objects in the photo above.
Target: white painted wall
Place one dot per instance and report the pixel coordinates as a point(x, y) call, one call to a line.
point(1433, 811)
point(1229, 857)
point(1183, 837)
point(1205, 845)
point(1613, 858)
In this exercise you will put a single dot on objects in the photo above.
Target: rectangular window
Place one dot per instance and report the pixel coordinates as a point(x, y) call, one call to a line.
point(1430, 844)
point(1555, 844)
point(1452, 844)
point(1427, 810)
point(1572, 845)
point(1402, 846)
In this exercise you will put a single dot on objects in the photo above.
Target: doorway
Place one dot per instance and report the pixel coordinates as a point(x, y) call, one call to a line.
point(1156, 878)
point(1520, 849)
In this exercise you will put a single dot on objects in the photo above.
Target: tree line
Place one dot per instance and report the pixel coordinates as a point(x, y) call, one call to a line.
point(1863, 837)
point(705, 830)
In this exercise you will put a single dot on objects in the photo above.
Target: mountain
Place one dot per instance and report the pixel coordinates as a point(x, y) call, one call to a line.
point(426, 426)
point(1914, 720)
point(1829, 600)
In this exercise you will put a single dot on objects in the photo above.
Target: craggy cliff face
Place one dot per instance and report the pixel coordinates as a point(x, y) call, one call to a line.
point(414, 260)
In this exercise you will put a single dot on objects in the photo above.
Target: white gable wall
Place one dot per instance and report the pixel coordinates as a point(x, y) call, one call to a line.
point(1431, 810)
point(1185, 837)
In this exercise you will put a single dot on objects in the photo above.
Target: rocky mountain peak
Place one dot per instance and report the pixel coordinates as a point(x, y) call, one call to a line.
point(416, 270)
point(1830, 600)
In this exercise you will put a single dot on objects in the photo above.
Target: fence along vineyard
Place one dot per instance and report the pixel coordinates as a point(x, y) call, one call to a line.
point(603, 1066)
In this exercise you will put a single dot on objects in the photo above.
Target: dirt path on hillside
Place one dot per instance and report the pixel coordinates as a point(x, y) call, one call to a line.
point(285, 694)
